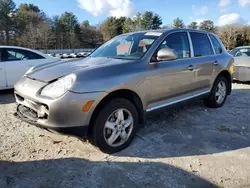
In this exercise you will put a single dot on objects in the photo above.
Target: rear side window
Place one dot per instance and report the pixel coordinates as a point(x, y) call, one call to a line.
point(201, 44)
point(179, 43)
point(241, 52)
point(216, 44)
point(32, 55)
point(11, 54)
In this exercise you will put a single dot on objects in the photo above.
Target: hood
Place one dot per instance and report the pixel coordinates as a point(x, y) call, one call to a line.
point(52, 71)
point(242, 61)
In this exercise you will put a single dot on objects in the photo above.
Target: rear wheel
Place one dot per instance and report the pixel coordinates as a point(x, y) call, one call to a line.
point(115, 126)
point(218, 95)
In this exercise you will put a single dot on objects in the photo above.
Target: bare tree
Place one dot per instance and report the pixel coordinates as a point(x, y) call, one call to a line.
point(45, 35)
point(37, 36)
point(228, 35)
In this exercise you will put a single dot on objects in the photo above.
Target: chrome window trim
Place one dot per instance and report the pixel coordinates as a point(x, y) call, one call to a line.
point(210, 35)
point(193, 47)
point(212, 45)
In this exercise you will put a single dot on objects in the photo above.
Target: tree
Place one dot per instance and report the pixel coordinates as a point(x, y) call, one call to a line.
point(146, 21)
point(178, 23)
point(228, 35)
point(37, 36)
point(66, 26)
point(27, 14)
point(128, 25)
point(207, 25)
point(7, 8)
point(112, 27)
point(90, 36)
point(193, 25)
point(150, 20)
point(243, 35)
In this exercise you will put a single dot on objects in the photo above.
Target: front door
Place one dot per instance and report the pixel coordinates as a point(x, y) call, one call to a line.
point(16, 64)
point(173, 81)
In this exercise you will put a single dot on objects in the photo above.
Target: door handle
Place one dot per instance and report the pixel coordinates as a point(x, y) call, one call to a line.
point(191, 68)
point(216, 63)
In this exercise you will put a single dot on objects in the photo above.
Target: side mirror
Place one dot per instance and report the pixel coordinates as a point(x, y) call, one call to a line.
point(166, 54)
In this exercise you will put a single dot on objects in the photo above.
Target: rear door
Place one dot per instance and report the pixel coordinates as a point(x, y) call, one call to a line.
point(2, 72)
point(204, 62)
point(17, 63)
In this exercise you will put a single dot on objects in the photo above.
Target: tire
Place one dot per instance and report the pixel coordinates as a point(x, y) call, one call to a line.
point(101, 135)
point(213, 100)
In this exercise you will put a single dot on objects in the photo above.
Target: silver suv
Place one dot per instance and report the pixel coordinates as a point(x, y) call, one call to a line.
point(107, 95)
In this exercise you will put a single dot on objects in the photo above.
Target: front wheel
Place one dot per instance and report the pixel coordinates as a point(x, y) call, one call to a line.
point(218, 95)
point(115, 126)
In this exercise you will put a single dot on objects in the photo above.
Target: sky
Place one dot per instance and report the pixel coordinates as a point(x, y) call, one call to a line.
point(222, 12)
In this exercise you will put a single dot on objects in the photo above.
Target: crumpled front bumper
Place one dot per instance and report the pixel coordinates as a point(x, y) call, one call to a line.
point(64, 114)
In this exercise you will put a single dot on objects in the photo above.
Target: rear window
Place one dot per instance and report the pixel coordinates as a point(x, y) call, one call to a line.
point(201, 44)
point(241, 52)
point(216, 44)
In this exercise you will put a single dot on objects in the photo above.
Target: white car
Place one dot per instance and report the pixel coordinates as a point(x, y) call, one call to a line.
point(74, 55)
point(66, 55)
point(16, 61)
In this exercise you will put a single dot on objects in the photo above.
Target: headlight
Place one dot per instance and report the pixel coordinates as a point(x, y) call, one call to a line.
point(59, 87)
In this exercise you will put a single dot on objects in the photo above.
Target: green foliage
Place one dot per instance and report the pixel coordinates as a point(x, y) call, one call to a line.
point(112, 27)
point(146, 21)
point(207, 25)
point(193, 25)
point(178, 23)
point(27, 25)
point(7, 8)
point(28, 8)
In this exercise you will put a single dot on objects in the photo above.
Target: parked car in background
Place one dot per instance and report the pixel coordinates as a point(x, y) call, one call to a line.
point(16, 61)
point(242, 63)
point(74, 55)
point(108, 94)
point(81, 54)
point(59, 55)
point(66, 55)
point(52, 55)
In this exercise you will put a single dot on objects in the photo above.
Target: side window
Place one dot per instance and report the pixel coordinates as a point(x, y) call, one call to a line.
point(14, 55)
point(32, 55)
point(179, 43)
point(201, 44)
point(243, 52)
point(216, 44)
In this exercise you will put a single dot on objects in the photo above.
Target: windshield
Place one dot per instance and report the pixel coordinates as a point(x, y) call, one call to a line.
point(237, 52)
point(131, 46)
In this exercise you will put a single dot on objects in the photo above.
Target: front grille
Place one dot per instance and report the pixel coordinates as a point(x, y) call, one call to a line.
point(31, 109)
point(27, 112)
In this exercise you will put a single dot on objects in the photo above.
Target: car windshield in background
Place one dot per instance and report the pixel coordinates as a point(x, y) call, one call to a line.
point(130, 46)
point(237, 52)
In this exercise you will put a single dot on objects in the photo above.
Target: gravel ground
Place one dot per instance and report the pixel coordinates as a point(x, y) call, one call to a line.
point(192, 146)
